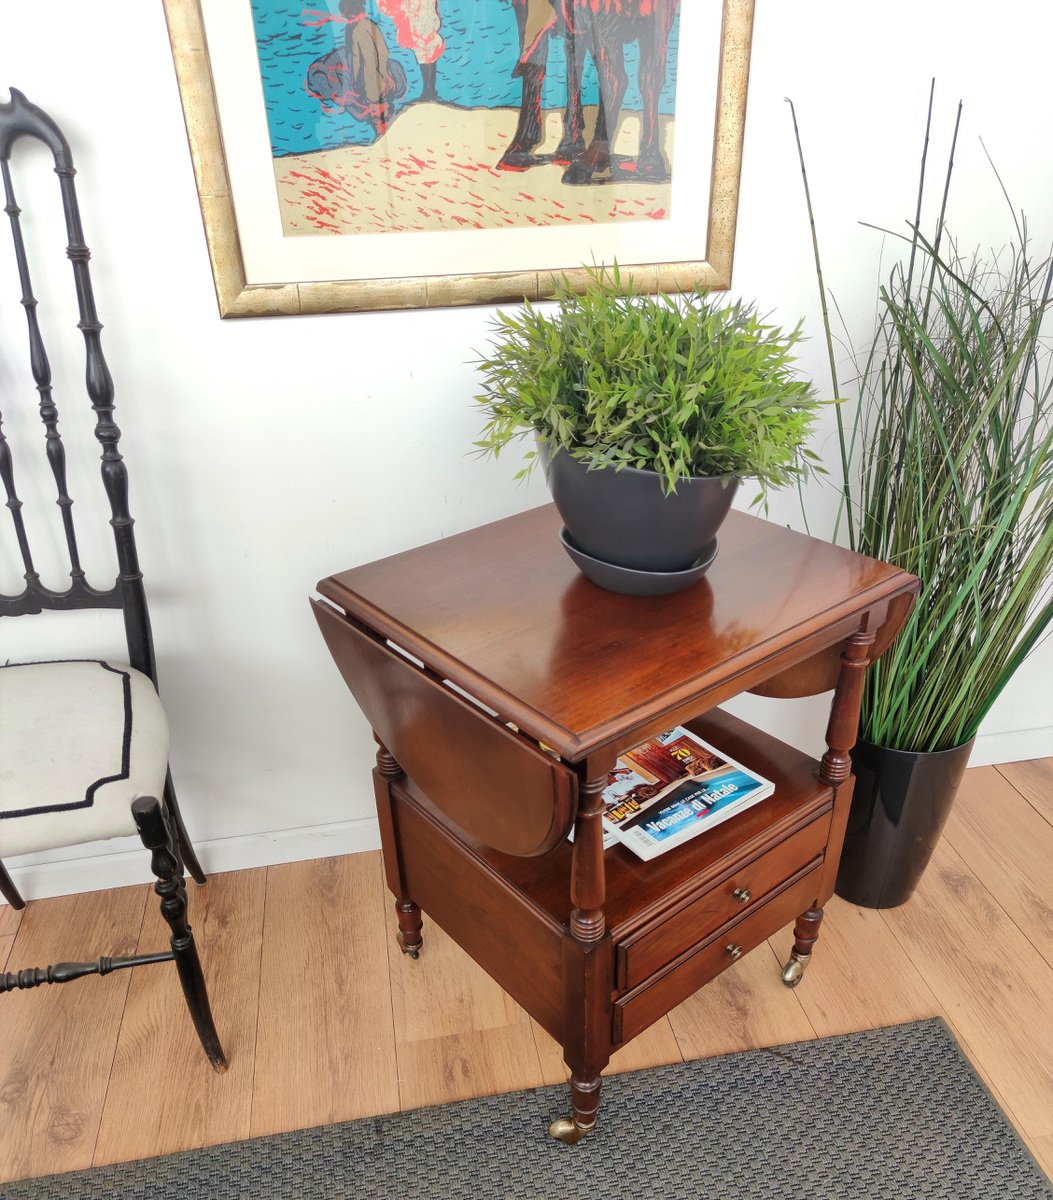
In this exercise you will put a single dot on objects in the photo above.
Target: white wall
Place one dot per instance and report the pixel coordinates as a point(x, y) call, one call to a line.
point(267, 453)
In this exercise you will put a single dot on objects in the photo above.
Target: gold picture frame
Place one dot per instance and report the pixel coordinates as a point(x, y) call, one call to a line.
point(238, 296)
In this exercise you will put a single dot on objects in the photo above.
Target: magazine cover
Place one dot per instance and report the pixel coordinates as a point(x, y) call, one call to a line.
point(672, 787)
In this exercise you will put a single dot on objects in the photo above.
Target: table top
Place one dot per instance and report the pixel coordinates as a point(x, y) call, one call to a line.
point(503, 613)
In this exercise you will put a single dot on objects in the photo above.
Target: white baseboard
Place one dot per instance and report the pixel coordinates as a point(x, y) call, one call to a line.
point(1017, 745)
point(72, 876)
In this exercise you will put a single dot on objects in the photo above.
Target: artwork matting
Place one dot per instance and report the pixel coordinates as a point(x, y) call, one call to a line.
point(239, 294)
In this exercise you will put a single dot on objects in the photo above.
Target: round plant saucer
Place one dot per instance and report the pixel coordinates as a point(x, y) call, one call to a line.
point(631, 582)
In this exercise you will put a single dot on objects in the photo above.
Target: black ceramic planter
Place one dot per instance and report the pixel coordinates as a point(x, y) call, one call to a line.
point(900, 804)
point(623, 517)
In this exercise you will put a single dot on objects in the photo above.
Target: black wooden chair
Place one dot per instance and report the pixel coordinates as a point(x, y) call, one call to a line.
point(84, 743)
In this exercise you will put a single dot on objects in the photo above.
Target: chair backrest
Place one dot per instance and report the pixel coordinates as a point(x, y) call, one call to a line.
point(21, 119)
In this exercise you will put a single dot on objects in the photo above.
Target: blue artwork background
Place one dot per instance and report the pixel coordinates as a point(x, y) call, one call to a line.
point(474, 70)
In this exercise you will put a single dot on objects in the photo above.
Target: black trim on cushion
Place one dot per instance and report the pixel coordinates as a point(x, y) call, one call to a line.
point(126, 742)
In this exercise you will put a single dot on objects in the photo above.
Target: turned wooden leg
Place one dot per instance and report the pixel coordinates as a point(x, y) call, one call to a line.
point(835, 769)
point(585, 1102)
point(587, 970)
point(805, 935)
point(409, 936)
point(157, 837)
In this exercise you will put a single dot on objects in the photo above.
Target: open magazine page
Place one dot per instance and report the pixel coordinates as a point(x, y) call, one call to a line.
point(672, 787)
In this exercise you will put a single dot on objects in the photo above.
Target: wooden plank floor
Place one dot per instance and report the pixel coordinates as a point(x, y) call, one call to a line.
point(325, 1020)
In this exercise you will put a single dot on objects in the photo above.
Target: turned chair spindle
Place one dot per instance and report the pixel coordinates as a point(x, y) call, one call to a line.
point(84, 743)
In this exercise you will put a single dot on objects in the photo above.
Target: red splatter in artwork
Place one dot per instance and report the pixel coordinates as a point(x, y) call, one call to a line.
point(370, 192)
point(316, 18)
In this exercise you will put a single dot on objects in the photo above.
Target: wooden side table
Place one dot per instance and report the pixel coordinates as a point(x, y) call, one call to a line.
point(502, 686)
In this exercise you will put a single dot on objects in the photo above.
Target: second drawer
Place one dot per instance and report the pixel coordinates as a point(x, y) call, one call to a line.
point(670, 987)
point(643, 953)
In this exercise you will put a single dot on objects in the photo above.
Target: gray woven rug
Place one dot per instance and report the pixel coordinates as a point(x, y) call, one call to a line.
point(891, 1114)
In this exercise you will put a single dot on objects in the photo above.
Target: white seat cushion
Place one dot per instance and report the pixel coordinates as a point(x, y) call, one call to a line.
point(79, 741)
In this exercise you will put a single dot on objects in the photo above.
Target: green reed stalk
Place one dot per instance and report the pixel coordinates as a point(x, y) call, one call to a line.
point(949, 474)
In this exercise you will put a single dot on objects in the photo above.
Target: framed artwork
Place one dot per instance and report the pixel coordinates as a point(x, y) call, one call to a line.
point(369, 154)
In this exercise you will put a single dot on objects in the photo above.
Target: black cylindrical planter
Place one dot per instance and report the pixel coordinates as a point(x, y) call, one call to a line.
point(900, 805)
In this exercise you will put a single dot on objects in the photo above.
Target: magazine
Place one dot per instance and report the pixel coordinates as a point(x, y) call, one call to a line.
point(672, 788)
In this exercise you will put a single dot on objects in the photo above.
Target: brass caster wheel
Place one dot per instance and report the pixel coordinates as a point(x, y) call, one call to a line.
point(568, 1131)
point(410, 949)
point(793, 972)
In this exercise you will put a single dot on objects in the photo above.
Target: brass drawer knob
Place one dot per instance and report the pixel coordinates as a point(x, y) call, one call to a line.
point(743, 895)
point(734, 950)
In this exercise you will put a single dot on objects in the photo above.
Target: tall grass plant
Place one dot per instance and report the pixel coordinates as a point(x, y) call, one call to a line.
point(947, 472)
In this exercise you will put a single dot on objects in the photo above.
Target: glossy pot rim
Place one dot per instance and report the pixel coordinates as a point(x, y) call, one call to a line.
point(549, 451)
point(878, 748)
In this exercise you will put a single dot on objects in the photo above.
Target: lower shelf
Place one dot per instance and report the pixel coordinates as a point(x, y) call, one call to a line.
point(669, 921)
point(638, 893)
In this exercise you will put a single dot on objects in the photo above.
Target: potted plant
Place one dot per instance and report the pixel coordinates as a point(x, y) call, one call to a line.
point(947, 472)
point(647, 411)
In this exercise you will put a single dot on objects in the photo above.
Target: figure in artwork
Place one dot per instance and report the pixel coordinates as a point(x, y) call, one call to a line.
point(539, 22)
point(417, 27)
point(360, 77)
point(605, 28)
point(405, 115)
point(602, 29)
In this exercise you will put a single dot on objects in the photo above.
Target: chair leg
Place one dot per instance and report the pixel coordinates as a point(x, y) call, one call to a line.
point(8, 890)
point(187, 853)
point(152, 823)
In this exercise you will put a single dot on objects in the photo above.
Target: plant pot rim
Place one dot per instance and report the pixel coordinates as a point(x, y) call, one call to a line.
point(915, 753)
point(551, 450)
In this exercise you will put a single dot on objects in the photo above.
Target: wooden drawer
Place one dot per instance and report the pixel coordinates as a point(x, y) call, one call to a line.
point(682, 978)
point(643, 953)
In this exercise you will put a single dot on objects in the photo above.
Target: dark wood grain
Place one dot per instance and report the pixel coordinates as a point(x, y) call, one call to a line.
point(821, 671)
point(843, 727)
point(503, 613)
point(498, 926)
point(638, 892)
point(746, 889)
point(588, 886)
point(664, 991)
point(597, 945)
point(491, 782)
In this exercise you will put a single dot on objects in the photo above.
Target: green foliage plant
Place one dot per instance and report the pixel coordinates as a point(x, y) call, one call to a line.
point(947, 472)
point(683, 386)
